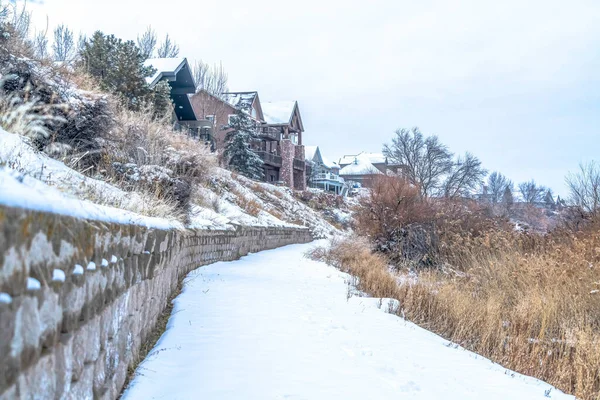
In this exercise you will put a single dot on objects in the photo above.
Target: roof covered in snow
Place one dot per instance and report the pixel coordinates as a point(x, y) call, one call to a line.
point(165, 68)
point(361, 165)
point(241, 100)
point(373, 158)
point(277, 113)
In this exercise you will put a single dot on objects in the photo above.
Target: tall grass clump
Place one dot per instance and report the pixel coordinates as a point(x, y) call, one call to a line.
point(144, 152)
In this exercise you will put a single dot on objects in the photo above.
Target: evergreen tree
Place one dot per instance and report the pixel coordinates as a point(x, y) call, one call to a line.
point(119, 67)
point(240, 156)
point(508, 198)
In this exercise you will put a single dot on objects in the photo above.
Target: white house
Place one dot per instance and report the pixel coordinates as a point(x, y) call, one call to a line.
point(324, 173)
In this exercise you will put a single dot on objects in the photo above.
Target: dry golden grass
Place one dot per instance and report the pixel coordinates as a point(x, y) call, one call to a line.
point(536, 312)
point(250, 206)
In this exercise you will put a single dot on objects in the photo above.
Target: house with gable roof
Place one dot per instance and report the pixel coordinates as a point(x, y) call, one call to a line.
point(324, 174)
point(282, 133)
point(278, 136)
point(178, 74)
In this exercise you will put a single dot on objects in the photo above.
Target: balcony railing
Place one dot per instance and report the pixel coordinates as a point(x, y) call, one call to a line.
point(270, 159)
point(269, 133)
point(329, 177)
point(299, 164)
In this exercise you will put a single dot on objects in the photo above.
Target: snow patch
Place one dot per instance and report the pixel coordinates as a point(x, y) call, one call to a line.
point(33, 284)
point(5, 298)
point(58, 275)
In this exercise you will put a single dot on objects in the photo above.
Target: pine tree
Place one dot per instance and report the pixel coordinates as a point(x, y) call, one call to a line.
point(119, 67)
point(240, 156)
point(508, 198)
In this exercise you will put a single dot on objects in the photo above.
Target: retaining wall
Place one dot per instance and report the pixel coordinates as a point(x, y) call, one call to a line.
point(78, 297)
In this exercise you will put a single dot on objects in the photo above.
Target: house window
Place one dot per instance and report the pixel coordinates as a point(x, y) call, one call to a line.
point(210, 118)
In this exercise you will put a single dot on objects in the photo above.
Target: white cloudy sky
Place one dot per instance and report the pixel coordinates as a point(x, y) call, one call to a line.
point(515, 82)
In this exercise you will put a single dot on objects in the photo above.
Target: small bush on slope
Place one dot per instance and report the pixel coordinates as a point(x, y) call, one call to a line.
point(145, 153)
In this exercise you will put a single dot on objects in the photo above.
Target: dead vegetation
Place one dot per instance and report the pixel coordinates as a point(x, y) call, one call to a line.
point(528, 301)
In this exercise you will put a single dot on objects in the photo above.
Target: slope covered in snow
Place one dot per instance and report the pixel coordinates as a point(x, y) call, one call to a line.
point(31, 179)
point(275, 325)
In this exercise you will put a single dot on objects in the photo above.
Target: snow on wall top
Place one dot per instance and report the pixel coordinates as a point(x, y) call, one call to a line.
point(373, 158)
point(163, 66)
point(360, 165)
point(26, 192)
point(278, 112)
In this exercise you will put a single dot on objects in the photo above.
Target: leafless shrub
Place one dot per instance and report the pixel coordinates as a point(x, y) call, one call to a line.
point(212, 79)
point(168, 48)
point(147, 42)
point(465, 176)
point(426, 159)
point(531, 191)
point(584, 188)
point(64, 46)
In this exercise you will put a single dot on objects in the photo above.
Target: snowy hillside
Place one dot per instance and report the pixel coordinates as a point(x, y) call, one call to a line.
point(32, 179)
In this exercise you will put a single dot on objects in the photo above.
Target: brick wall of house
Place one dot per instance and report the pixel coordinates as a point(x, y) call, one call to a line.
point(205, 104)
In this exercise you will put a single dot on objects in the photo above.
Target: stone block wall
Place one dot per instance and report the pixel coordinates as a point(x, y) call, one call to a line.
point(78, 297)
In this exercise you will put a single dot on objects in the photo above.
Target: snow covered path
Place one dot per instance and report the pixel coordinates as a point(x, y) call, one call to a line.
point(275, 325)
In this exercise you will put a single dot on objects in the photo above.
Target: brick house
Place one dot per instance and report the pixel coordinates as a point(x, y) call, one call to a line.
point(279, 132)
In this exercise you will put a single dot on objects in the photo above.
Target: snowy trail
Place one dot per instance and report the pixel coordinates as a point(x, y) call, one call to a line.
point(275, 325)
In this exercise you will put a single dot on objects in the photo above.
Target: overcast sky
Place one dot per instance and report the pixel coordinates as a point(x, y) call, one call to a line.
point(515, 82)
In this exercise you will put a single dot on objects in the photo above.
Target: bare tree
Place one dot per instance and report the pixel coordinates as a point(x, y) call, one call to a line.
point(168, 48)
point(21, 20)
point(40, 44)
point(531, 191)
point(64, 44)
point(584, 188)
point(465, 176)
point(211, 79)
point(147, 42)
point(496, 186)
point(426, 160)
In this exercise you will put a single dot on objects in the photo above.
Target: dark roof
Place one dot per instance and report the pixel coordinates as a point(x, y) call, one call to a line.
point(177, 72)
